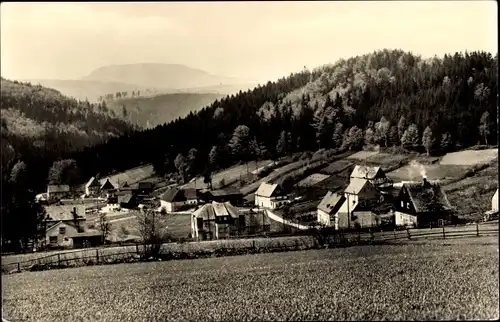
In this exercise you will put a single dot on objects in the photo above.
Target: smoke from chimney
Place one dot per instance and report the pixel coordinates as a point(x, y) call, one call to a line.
point(417, 167)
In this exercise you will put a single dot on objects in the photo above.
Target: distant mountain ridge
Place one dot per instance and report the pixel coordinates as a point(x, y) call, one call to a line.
point(167, 76)
point(148, 78)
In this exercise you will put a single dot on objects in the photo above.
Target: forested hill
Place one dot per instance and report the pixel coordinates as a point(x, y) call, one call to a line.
point(40, 124)
point(151, 111)
point(389, 97)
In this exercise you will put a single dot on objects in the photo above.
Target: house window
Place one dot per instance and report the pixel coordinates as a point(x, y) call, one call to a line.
point(402, 204)
point(62, 230)
point(53, 239)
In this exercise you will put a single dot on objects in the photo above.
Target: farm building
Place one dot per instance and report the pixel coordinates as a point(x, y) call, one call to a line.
point(360, 197)
point(270, 196)
point(57, 191)
point(130, 176)
point(427, 201)
point(375, 175)
point(66, 227)
point(92, 187)
point(175, 198)
point(127, 200)
point(107, 186)
point(220, 220)
point(494, 202)
point(232, 195)
point(328, 208)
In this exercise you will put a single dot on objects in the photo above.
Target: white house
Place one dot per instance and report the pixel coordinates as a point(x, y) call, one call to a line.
point(373, 174)
point(270, 196)
point(328, 208)
point(494, 202)
point(92, 187)
point(174, 198)
point(57, 191)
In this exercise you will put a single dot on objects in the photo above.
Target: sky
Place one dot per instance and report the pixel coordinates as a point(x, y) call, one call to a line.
point(257, 41)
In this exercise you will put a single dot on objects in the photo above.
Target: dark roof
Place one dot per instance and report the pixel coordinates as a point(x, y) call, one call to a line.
point(64, 212)
point(125, 198)
point(107, 185)
point(176, 194)
point(427, 197)
point(212, 210)
point(330, 201)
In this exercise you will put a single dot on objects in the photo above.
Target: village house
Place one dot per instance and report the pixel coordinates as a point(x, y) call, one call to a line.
point(427, 201)
point(375, 175)
point(66, 227)
point(221, 220)
point(270, 196)
point(232, 195)
point(58, 191)
point(494, 202)
point(176, 198)
point(107, 186)
point(328, 208)
point(92, 187)
point(360, 197)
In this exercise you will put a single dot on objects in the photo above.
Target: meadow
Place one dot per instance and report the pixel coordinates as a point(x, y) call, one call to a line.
point(436, 280)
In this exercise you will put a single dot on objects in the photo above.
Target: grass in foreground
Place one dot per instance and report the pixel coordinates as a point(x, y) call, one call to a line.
point(406, 282)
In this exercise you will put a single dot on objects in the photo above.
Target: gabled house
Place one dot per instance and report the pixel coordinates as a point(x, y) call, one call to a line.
point(127, 200)
point(175, 198)
point(356, 211)
point(427, 201)
point(375, 175)
point(92, 187)
point(494, 202)
point(62, 222)
point(220, 220)
point(232, 195)
point(270, 196)
point(57, 191)
point(107, 186)
point(328, 208)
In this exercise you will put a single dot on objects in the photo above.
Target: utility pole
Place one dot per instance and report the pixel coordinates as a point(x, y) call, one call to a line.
point(348, 213)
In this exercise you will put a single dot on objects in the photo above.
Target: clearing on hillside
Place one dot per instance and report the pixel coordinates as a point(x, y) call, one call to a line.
point(361, 155)
point(392, 282)
point(470, 157)
point(229, 175)
point(312, 180)
point(338, 166)
point(416, 171)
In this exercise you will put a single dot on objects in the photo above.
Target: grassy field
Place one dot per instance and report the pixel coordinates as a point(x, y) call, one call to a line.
point(228, 175)
point(470, 157)
point(361, 155)
point(456, 280)
point(432, 171)
point(312, 179)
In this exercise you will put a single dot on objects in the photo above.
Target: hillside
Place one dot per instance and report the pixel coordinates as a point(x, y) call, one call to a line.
point(90, 90)
point(388, 97)
point(39, 123)
point(163, 108)
point(167, 76)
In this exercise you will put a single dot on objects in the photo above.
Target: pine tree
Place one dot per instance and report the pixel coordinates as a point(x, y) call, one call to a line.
point(484, 128)
point(213, 157)
point(382, 129)
point(337, 135)
point(393, 135)
point(410, 136)
point(446, 141)
point(369, 136)
point(401, 127)
point(428, 139)
point(355, 138)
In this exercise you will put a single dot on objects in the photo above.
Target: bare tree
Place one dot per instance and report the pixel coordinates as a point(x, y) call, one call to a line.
point(153, 230)
point(104, 227)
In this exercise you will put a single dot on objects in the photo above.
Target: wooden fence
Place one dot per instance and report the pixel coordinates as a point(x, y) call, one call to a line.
point(274, 242)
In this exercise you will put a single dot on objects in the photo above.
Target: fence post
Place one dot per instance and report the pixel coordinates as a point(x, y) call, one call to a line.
point(97, 256)
point(408, 232)
point(253, 244)
point(137, 248)
point(18, 267)
point(372, 237)
point(59, 259)
point(444, 236)
point(477, 228)
point(395, 233)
